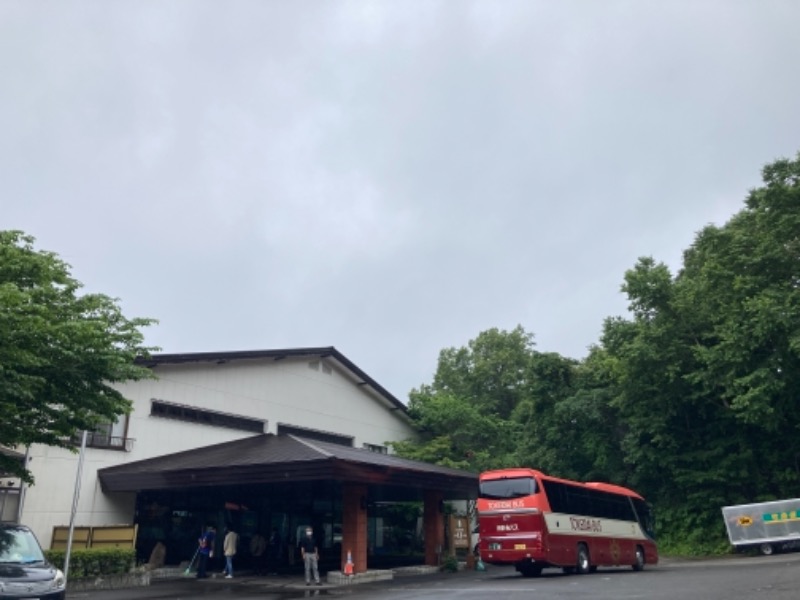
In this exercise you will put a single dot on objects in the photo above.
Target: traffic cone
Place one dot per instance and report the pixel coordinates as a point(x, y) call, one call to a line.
point(348, 566)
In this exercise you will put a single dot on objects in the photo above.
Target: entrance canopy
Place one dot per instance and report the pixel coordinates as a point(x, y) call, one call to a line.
point(270, 458)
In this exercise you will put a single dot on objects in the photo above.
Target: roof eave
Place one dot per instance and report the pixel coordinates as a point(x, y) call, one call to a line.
point(359, 375)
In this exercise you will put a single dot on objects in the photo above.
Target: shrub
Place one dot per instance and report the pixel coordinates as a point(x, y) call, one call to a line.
point(94, 562)
point(450, 564)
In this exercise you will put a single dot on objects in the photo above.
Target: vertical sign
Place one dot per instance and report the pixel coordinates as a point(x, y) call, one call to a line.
point(459, 532)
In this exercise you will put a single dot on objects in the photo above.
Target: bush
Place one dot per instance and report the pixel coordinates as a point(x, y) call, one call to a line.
point(683, 531)
point(94, 562)
point(450, 564)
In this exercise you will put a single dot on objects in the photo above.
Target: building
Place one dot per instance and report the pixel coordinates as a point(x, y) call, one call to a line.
point(268, 440)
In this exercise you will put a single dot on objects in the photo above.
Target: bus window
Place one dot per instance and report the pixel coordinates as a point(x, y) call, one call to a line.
point(510, 487)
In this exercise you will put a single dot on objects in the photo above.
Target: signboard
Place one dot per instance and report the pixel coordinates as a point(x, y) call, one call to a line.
point(106, 536)
point(763, 522)
point(459, 532)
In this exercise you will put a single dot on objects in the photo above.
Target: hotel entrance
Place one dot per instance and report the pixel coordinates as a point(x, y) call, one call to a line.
point(386, 511)
point(270, 519)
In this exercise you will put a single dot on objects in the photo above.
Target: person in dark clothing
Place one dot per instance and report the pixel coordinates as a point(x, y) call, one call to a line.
point(310, 552)
point(205, 551)
point(275, 546)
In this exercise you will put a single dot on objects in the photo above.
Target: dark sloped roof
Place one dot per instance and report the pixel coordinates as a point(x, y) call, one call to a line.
point(269, 458)
point(360, 377)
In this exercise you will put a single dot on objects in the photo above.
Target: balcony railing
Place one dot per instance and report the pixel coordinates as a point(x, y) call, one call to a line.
point(105, 441)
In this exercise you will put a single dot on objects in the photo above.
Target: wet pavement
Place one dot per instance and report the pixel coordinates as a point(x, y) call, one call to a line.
point(283, 587)
point(191, 587)
point(722, 578)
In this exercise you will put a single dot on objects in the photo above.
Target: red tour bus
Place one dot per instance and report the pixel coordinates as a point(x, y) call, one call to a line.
point(532, 521)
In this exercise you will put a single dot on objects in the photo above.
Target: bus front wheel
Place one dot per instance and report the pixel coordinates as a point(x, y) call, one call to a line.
point(638, 564)
point(583, 564)
point(766, 549)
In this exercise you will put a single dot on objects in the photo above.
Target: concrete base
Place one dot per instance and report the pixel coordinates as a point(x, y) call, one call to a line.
point(339, 578)
point(111, 582)
point(171, 572)
point(415, 570)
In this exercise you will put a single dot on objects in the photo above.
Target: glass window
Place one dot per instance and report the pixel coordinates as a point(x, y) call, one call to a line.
point(376, 448)
point(192, 414)
point(19, 546)
point(109, 435)
point(645, 517)
point(510, 487)
point(9, 504)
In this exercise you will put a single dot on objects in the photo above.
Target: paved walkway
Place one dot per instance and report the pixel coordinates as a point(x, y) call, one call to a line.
point(173, 583)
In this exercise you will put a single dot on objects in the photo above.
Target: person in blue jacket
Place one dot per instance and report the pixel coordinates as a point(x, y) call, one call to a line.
point(205, 551)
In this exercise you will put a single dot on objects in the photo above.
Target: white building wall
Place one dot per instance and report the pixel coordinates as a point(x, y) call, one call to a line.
point(290, 391)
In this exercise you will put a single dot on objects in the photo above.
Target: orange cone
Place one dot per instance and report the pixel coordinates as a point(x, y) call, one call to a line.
point(348, 566)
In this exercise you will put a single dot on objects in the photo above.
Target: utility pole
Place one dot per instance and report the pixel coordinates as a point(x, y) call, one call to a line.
point(75, 497)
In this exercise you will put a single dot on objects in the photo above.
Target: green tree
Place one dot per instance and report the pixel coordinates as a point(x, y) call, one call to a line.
point(454, 432)
point(464, 415)
point(705, 375)
point(546, 438)
point(586, 435)
point(492, 372)
point(492, 404)
point(60, 352)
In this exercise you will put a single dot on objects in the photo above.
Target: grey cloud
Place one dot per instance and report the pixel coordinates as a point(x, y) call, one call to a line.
point(389, 178)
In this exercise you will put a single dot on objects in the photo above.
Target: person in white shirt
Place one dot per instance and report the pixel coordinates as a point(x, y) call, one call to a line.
point(229, 550)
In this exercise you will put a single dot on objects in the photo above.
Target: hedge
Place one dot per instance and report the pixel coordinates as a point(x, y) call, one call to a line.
point(94, 562)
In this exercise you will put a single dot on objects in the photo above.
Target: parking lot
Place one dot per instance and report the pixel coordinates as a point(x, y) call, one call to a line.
point(770, 577)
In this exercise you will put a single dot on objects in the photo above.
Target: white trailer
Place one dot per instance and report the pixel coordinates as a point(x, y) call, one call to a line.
point(768, 526)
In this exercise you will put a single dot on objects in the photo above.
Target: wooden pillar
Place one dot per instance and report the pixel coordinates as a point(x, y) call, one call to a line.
point(434, 527)
point(354, 526)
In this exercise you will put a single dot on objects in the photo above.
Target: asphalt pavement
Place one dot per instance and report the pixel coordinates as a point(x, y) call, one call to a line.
point(246, 586)
point(438, 584)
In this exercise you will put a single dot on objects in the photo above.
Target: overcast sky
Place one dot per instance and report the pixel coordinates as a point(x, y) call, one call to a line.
point(389, 178)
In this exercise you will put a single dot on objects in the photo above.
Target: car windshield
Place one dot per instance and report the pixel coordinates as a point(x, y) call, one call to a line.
point(19, 546)
point(508, 487)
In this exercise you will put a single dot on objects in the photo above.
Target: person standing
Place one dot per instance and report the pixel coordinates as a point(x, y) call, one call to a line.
point(229, 545)
point(205, 551)
point(274, 548)
point(257, 546)
point(310, 553)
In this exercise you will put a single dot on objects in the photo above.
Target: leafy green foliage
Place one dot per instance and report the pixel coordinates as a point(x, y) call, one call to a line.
point(59, 351)
point(692, 401)
point(450, 564)
point(706, 373)
point(491, 404)
point(94, 562)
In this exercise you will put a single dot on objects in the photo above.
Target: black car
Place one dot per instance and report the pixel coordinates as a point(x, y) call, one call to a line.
point(25, 573)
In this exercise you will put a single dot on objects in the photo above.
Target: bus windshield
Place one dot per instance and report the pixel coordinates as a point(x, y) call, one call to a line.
point(645, 517)
point(509, 487)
